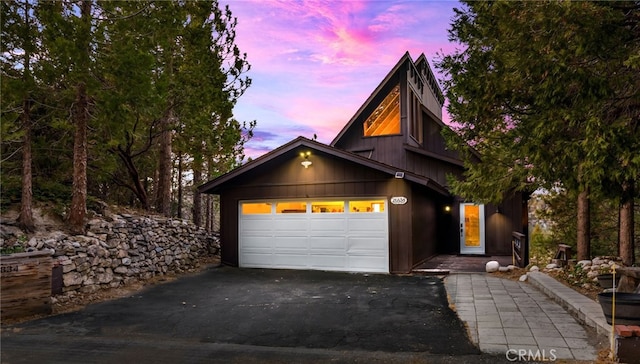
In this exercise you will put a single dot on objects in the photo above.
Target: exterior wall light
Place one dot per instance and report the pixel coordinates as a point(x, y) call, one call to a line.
point(447, 208)
point(306, 162)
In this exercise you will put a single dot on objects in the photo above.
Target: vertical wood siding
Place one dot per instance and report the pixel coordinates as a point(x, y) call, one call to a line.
point(499, 226)
point(425, 224)
point(326, 177)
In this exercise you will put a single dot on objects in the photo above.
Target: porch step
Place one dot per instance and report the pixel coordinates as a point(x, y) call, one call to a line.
point(435, 272)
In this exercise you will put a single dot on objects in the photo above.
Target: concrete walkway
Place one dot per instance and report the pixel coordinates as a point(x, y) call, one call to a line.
point(512, 318)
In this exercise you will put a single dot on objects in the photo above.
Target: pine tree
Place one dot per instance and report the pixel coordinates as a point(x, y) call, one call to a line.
point(534, 92)
point(19, 41)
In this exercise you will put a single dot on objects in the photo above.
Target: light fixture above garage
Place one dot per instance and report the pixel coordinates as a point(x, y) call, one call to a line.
point(306, 162)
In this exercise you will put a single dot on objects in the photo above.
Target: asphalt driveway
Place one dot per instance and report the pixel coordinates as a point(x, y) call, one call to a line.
point(254, 315)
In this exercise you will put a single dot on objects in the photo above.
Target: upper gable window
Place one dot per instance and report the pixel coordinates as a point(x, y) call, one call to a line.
point(385, 119)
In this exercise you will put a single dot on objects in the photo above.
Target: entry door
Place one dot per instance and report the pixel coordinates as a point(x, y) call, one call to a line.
point(471, 228)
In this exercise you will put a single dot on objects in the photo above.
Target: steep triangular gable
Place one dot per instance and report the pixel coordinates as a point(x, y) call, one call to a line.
point(425, 71)
point(382, 86)
point(214, 185)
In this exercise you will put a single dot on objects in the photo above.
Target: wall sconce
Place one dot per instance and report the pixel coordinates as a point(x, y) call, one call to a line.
point(447, 208)
point(306, 162)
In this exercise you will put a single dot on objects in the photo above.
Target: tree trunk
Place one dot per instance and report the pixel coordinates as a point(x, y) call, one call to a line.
point(197, 198)
point(209, 209)
point(179, 212)
point(164, 178)
point(626, 227)
point(78, 211)
point(138, 188)
point(584, 226)
point(25, 220)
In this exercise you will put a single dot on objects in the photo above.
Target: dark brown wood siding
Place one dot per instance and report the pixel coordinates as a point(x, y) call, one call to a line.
point(386, 149)
point(400, 232)
point(500, 225)
point(433, 139)
point(426, 209)
point(432, 168)
point(326, 177)
point(228, 230)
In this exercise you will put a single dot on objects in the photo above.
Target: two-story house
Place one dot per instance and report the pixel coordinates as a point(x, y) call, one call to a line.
point(374, 200)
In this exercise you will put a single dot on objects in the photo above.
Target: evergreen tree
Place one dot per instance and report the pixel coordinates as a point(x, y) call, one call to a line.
point(71, 37)
point(20, 32)
point(108, 80)
point(534, 89)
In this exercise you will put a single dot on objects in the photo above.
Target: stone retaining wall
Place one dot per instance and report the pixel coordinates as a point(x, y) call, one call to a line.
point(124, 250)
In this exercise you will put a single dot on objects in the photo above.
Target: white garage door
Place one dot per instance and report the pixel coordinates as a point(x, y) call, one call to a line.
point(340, 235)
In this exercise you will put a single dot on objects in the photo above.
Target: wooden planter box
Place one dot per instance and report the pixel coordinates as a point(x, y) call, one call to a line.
point(25, 279)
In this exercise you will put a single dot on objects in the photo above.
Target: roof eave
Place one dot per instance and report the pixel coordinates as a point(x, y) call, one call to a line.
point(212, 186)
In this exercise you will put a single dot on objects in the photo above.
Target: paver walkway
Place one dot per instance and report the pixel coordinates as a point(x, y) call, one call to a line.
point(510, 317)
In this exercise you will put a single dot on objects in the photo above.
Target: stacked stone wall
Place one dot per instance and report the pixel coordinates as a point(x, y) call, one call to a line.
point(123, 250)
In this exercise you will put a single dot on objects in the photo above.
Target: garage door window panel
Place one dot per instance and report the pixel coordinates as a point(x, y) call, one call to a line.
point(291, 207)
point(362, 206)
point(256, 208)
point(327, 207)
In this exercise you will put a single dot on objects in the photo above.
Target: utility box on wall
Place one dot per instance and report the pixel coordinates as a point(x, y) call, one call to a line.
point(25, 279)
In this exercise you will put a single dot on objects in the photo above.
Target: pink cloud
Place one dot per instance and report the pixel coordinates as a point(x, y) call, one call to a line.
point(315, 62)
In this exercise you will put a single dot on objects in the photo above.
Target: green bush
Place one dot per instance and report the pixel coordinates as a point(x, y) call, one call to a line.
point(575, 275)
point(11, 249)
point(542, 247)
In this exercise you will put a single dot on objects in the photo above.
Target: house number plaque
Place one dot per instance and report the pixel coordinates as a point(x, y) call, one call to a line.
point(399, 200)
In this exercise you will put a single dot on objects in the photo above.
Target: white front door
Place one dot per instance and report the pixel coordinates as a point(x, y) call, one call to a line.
point(471, 228)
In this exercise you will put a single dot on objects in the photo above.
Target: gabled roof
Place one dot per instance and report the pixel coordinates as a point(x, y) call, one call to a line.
point(385, 81)
point(421, 64)
point(429, 79)
point(214, 185)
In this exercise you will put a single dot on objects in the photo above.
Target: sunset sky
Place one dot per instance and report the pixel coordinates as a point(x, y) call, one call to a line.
point(314, 63)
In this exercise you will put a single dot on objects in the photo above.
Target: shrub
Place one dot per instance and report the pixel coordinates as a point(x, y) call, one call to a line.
point(542, 246)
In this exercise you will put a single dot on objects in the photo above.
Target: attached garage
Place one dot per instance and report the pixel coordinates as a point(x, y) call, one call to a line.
point(338, 234)
point(339, 212)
